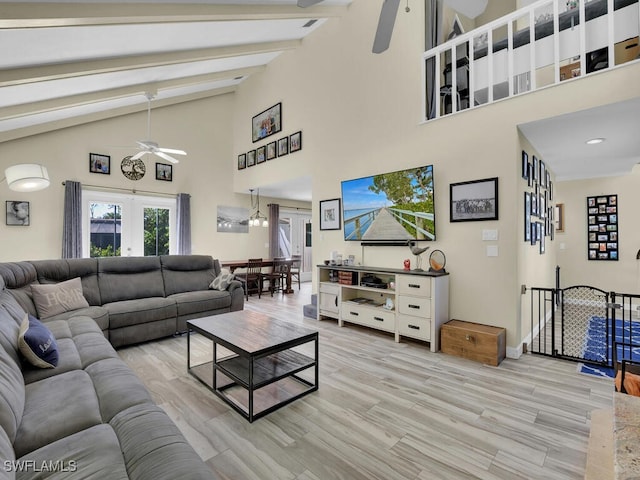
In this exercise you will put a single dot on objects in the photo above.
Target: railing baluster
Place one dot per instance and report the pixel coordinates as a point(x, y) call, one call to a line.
point(583, 38)
point(556, 43)
point(490, 66)
point(610, 34)
point(532, 50)
point(436, 91)
point(510, 78)
point(454, 78)
point(472, 81)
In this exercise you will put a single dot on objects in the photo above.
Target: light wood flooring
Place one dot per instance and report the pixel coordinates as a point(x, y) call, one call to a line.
point(387, 411)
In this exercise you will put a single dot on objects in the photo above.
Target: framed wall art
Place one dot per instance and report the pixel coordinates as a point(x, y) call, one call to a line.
point(99, 163)
point(251, 158)
point(242, 161)
point(602, 227)
point(474, 201)
point(164, 172)
point(18, 213)
point(330, 214)
point(266, 123)
point(283, 146)
point(295, 142)
point(261, 154)
point(527, 217)
point(272, 150)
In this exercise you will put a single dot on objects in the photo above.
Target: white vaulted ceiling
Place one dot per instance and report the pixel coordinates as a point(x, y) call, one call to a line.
point(66, 63)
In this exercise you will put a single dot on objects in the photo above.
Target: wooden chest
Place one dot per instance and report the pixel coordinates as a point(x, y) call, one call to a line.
point(474, 341)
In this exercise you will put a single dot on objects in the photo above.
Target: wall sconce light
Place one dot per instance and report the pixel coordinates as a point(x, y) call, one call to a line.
point(27, 177)
point(256, 219)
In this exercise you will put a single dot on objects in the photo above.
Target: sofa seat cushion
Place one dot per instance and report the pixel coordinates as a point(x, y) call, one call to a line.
point(69, 361)
point(99, 314)
point(117, 387)
point(91, 453)
point(56, 407)
point(6, 455)
point(144, 310)
point(189, 303)
point(12, 392)
point(154, 448)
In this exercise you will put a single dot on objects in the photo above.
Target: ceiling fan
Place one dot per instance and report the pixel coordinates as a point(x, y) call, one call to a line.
point(149, 146)
point(385, 22)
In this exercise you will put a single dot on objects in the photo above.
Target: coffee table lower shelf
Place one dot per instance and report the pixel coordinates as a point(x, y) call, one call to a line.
point(256, 386)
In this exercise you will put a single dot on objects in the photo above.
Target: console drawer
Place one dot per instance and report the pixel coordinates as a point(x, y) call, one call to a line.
point(368, 317)
point(414, 327)
point(414, 306)
point(414, 285)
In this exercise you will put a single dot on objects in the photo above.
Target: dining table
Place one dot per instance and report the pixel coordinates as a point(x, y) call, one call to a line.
point(233, 265)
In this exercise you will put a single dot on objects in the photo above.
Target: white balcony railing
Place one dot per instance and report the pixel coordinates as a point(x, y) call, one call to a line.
point(507, 57)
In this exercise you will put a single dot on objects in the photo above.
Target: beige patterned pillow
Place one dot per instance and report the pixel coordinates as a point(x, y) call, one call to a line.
point(52, 299)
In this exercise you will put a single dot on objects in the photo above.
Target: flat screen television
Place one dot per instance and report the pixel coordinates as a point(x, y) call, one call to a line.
point(392, 207)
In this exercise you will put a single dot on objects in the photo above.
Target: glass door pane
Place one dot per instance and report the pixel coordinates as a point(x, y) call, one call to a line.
point(156, 231)
point(105, 229)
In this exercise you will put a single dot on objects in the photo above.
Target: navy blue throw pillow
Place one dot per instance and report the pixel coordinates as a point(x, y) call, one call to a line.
point(37, 343)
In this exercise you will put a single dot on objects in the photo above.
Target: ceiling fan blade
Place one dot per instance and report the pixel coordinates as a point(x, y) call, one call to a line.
point(144, 145)
point(307, 3)
point(166, 157)
point(139, 155)
point(385, 25)
point(172, 151)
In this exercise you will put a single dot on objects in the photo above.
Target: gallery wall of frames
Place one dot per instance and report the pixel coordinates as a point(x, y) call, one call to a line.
point(539, 210)
point(263, 125)
point(602, 227)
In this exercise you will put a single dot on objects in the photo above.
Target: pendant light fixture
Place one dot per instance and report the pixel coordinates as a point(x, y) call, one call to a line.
point(257, 219)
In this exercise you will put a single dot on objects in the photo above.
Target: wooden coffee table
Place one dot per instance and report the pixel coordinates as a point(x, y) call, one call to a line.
point(270, 364)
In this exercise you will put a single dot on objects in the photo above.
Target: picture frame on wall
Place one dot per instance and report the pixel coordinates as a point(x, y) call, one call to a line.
point(251, 158)
point(602, 228)
point(330, 214)
point(295, 142)
point(527, 217)
point(525, 165)
point(272, 150)
point(164, 172)
point(261, 154)
point(99, 163)
point(18, 213)
point(283, 146)
point(242, 161)
point(266, 123)
point(535, 170)
point(476, 200)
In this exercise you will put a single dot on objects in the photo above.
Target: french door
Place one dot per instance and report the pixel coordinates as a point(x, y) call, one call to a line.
point(127, 225)
point(295, 239)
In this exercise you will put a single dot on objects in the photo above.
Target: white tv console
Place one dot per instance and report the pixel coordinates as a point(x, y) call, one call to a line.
point(420, 300)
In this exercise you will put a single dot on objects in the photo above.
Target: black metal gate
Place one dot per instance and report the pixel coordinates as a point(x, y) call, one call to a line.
point(585, 324)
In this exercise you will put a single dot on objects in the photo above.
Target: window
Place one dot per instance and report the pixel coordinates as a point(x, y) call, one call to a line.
point(127, 225)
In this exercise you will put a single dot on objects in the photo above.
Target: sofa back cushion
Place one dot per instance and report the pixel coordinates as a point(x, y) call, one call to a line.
point(187, 273)
point(54, 271)
point(18, 276)
point(12, 392)
point(129, 278)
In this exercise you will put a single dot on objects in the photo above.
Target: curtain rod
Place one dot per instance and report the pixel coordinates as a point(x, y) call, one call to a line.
point(132, 190)
point(288, 206)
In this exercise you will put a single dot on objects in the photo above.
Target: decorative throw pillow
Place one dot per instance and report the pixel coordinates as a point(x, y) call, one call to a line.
point(222, 281)
point(37, 343)
point(52, 299)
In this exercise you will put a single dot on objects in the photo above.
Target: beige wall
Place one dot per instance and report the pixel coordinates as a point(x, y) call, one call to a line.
point(360, 114)
point(205, 173)
point(622, 276)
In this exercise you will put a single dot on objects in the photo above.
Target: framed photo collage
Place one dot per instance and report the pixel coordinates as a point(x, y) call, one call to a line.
point(602, 227)
point(539, 222)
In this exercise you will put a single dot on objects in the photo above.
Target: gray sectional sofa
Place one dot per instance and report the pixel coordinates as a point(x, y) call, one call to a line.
point(90, 416)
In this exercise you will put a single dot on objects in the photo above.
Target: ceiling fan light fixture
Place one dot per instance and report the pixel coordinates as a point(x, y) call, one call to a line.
point(595, 141)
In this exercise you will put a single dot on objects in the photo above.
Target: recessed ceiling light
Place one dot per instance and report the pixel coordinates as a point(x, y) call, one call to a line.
point(594, 141)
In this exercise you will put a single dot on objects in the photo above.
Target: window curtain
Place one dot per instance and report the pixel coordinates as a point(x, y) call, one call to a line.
point(274, 226)
point(184, 224)
point(433, 27)
point(72, 220)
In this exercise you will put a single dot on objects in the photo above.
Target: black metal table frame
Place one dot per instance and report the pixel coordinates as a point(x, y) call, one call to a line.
point(251, 359)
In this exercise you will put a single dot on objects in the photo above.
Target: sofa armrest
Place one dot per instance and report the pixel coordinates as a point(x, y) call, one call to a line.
point(236, 289)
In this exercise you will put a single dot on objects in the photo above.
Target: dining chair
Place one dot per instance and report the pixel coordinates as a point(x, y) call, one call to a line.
point(252, 277)
point(295, 268)
point(277, 277)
